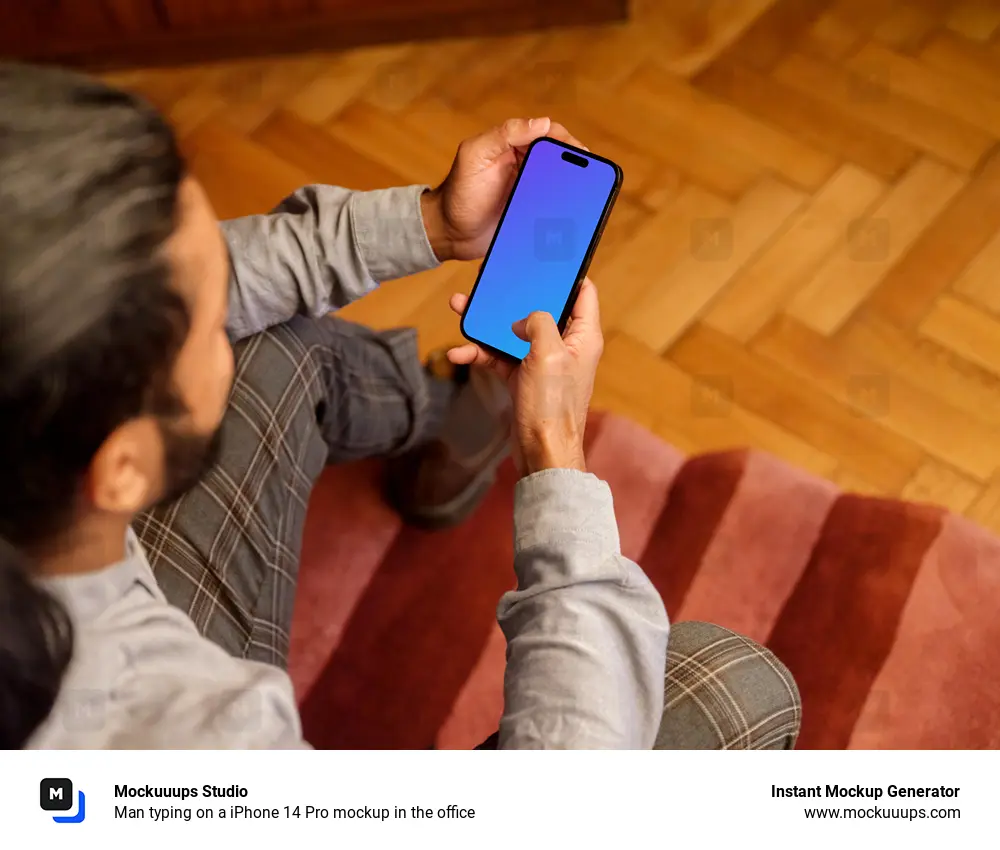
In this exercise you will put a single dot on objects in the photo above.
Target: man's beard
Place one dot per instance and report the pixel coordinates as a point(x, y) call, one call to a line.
point(187, 458)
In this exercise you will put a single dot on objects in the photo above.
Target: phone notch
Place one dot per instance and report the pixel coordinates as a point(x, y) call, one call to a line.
point(583, 162)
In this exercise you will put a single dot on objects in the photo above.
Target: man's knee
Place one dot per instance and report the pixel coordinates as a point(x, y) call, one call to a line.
point(725, 691)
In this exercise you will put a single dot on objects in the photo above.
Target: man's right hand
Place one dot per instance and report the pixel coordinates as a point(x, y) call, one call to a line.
point(552, 386)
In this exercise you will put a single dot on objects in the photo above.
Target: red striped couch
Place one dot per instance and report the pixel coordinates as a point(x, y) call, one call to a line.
point(886, 612)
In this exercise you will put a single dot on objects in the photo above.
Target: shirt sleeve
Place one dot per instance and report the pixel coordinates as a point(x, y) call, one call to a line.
point(243, 706)
point(586, 630)
point(320, 249)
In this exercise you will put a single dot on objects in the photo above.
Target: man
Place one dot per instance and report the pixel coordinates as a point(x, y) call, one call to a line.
point(156, 475)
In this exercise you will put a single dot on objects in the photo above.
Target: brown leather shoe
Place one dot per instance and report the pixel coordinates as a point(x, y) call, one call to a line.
point(441, 482)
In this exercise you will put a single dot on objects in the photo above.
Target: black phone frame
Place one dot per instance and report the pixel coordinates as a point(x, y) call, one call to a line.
point(587, 259)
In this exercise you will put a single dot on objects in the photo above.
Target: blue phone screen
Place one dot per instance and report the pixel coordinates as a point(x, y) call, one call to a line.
point(541, 245)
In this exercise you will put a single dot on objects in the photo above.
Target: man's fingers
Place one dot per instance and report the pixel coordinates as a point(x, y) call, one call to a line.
point(457, 303)
point(461, 355)
point(513, 133)
point(471, 354)
point(557, 131)
point(587, 309)
point(584, 332)
point(468, 354)
point(541, 331)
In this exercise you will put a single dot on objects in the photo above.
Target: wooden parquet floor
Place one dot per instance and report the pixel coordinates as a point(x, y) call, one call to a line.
point(806, 252)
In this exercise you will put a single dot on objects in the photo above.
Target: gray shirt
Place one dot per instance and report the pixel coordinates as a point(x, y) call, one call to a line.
point(586, 631)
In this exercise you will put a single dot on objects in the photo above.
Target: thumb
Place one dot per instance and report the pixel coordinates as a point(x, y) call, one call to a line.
point(585, 320)
point(514, 133)
point(541, 331)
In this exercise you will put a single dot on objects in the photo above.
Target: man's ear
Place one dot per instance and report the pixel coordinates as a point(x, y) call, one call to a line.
point(127, 470)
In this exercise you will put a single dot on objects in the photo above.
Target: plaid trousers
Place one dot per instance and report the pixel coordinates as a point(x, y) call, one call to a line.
point(318, 391)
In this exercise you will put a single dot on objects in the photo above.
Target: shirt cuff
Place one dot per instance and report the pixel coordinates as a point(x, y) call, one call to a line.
point(389, 229)
point(566, 510)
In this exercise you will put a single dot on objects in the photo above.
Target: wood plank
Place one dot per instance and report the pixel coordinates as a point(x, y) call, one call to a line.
point(760, 291)
point(863, 15)
point(813, 120)
point(322, 157)
point(397, 84)
point(375, 134)
point(978, 20)
point(433, 119)
point(615, 53)
point(909, 78)
point(909, 26)
point(656, 247)
point(719, 248)
point(783, 154)
point(963, 329)
point(851, 482)
point(924, 364)
point(249, 102)
point(765, 42)
point(548, 74)
point(707, 30)
point(873, 245)
point(242, 93)
point(944, 249)
point(855, 381)
point(979, 282)
point(240, 177)
point(831, 37)
point(398, 303)
point(870, 100)
point(985, 510)
point(964, 60)
point(844, 27)
point(627, 219)
point(937, 484)
point(160, 86)
point(343, 79)
point(606, 399)
point(713, 164)
point(677, 401)
point(662, 186)
point(195, 107)
point(860, 445)
point(479, 74)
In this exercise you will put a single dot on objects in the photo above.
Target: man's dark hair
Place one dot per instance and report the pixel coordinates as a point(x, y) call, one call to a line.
point(89, 330)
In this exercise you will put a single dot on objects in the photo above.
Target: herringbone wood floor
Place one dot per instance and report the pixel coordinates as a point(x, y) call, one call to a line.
point(806, 253)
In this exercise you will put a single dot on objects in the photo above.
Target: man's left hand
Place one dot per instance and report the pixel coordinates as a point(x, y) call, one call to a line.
point(461, 215)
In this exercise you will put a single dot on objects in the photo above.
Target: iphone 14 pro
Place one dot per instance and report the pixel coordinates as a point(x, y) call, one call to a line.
point(561, 200)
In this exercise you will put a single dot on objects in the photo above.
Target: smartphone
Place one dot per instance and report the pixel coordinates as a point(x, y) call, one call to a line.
point(561, 200)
